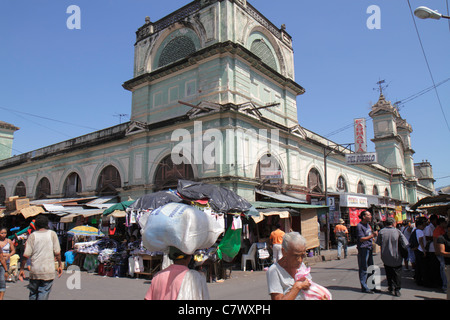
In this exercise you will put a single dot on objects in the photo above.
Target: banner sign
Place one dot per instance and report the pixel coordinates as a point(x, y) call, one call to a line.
point(360, 135)
point(361, 158)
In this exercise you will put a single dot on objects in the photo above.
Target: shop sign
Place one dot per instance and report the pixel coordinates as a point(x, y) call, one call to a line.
point(357, 202)
point(361, 158)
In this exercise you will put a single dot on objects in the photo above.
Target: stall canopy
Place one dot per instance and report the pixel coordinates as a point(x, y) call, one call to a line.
point(282, 197)
point(281, 209)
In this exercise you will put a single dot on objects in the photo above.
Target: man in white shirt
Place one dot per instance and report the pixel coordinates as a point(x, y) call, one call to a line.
point(432, 272)
point(420, 252)
point(42, 248)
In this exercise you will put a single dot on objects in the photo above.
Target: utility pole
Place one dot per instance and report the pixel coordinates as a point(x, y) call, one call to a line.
point(327, 150)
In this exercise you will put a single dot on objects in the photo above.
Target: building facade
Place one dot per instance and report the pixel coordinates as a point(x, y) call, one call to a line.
point(214, 99)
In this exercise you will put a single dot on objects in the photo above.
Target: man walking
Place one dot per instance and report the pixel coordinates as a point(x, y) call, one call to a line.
point(389, 240)
point(341, 233)
point(276, 239)
point(42, 248)
point(364, 245)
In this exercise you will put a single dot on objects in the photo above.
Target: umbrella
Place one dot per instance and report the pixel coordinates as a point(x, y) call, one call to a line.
point(121, 206)
point(85, 231)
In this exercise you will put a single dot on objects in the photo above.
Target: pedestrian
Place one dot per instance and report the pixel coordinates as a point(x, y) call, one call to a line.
point(3, 274)
point(7, 246)
point(389, 239)
point(178, 282)
point(364, 244)
point(432, 275)
point(281, 275)
point(418, 245)
point(341, 234)
point(41, 248)
point(407, 231)
point(276, 238)
point(442, 247)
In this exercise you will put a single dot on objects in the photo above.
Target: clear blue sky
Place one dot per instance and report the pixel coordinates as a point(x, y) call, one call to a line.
point(76, 76)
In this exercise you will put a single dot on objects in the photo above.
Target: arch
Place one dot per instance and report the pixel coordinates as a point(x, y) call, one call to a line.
point(167, 173)
point(269, 169)
point(174, 45)
point(375, 191)
point(2, 194)
point(386, 192)
point(265, 41)
point(43, 189)
point(361, 188)
point(20, 189)
point(315, 183)
point(109, 180)
point(341, 184)
point(72, 185)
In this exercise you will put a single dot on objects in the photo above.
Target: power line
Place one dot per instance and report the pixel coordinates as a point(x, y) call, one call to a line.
point(46, 118)
point(428, 65)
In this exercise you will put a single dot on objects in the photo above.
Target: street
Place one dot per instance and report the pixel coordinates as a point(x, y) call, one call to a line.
point(339, 276)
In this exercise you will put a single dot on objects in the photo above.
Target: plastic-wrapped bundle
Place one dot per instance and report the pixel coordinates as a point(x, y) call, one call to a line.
point(181, 226)
point(315, 291)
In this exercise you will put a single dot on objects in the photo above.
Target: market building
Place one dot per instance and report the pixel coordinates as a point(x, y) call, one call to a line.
point(214, 99)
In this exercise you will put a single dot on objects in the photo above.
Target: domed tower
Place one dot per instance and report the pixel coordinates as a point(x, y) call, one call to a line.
point(210, 54)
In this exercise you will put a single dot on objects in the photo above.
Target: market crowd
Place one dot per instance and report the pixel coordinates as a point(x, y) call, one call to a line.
point(423, 246)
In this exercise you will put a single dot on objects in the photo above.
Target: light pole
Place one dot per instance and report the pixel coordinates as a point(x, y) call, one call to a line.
point(427, 13)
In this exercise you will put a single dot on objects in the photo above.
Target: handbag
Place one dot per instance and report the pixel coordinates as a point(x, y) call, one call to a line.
point(402, 249)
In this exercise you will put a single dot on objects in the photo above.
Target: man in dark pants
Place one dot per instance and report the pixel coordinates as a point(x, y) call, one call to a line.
point(388, 240)
point(365, 234)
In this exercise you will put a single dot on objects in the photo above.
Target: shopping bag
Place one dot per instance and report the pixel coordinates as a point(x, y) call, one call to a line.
point(315, 291)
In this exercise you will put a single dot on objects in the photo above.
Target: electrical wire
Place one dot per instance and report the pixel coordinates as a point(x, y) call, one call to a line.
point(428, 65)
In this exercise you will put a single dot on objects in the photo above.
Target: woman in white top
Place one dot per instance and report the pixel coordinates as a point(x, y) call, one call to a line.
point(281, 275)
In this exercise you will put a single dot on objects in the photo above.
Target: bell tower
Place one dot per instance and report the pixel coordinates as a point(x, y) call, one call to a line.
point(210, 54)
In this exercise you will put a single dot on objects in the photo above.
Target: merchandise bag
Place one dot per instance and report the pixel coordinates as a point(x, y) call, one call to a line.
point(230, 245)
point(181, 226)
point(315, 291)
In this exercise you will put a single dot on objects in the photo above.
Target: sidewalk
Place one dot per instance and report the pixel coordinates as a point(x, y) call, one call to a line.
point(328, 255)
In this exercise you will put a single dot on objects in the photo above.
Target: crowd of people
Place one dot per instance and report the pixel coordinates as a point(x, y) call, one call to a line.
point(424, 245)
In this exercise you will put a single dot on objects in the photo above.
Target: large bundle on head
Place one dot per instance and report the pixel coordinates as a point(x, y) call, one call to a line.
point(181, 226)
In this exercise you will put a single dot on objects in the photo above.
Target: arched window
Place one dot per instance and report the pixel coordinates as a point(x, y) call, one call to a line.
point(176, 49)
point(20, 190)
point(168, 174)
point(108, 181)
point(375, 190)
point(341, 185)
point(72, 185)
point(2, 194)
point(262, 50)
point(386, 192)
point(315, 181)
point(361, 188)
point(269, 170)
point(43, 189)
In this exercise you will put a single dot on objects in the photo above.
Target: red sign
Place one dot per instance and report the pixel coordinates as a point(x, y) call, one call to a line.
point(360, 136)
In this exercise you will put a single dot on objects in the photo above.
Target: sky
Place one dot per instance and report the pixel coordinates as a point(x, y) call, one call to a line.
point(58, 83)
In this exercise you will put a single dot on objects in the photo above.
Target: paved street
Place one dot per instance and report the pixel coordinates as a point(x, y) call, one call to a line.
point(339, 276)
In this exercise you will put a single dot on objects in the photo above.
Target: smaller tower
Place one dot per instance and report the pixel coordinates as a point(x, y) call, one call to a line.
point(424, 173)
point(6, 139)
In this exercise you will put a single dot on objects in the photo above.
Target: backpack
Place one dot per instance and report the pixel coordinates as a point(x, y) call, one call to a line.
point(413, 243)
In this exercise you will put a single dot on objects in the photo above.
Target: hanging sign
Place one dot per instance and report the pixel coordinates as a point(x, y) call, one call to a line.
point(360, 135)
